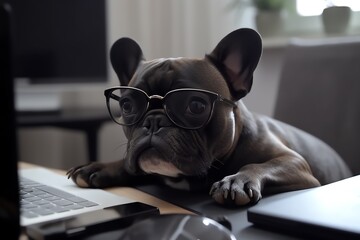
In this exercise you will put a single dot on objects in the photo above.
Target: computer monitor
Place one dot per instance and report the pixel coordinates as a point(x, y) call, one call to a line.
point(9, 189)
point(57, 41)
point(60, 46)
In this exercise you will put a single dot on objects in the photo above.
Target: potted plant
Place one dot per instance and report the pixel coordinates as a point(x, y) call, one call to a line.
point(269, 15)
point(335, 19)
point(269, 5)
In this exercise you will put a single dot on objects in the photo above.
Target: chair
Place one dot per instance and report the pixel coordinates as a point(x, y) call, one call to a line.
point(319, 92)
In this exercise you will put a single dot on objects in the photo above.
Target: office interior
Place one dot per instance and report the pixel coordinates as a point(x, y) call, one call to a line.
point(171, 28)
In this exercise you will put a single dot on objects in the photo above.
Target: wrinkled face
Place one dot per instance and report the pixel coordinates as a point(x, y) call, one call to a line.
point(156, 144)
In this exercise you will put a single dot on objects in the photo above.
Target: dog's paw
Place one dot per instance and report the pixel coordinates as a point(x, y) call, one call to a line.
point(88, 176)
point(236, 189)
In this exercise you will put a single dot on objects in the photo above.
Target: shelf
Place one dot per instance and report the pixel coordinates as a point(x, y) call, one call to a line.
point(283, 41)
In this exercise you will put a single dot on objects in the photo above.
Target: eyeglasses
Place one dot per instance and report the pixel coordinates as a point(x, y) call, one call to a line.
point(187, 108)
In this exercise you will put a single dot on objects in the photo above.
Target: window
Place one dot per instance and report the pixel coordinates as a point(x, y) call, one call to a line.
point(315, 7)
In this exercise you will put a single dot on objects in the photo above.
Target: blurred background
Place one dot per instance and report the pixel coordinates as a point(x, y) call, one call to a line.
point(163, 28)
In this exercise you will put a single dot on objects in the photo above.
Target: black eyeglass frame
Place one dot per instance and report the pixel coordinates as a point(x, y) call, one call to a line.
point(217, 97)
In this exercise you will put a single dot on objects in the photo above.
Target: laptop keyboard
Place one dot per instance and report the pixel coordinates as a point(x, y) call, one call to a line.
point(38, 200)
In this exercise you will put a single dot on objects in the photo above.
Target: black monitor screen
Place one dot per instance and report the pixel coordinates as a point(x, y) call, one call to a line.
point(58, 41)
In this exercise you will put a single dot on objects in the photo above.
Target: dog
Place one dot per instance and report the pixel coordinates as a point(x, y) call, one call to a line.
point(186, 124)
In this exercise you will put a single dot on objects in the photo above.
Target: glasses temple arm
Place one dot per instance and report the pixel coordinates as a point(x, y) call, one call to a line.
point(233, 104)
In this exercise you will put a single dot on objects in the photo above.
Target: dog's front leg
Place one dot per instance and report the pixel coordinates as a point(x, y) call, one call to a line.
point(283, 173)
point(100, 175)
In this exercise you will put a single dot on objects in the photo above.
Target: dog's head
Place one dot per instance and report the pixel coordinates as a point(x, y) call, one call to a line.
point(180, 114)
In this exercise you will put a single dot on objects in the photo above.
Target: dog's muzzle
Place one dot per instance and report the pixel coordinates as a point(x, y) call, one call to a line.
point(151, 161)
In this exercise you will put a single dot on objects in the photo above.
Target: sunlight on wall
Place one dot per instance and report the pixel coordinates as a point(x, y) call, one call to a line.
point(315, 7)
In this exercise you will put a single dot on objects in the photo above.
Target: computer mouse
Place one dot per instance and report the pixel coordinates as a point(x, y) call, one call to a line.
point(177, 227)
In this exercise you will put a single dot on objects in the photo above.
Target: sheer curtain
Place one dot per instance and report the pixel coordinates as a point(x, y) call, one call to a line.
point(171, 28)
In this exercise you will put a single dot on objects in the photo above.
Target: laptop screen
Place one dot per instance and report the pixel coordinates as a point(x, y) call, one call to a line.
point(9, 199)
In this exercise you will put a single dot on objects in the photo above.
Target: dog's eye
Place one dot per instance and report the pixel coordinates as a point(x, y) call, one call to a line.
point(197, 106)
point(126, 106)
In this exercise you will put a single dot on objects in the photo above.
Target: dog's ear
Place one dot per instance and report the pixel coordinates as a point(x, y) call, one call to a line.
point(236, 57)
point(125, 56)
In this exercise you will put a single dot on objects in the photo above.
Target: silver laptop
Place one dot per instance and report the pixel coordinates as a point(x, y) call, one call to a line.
point(46, 195)
point(328, 212)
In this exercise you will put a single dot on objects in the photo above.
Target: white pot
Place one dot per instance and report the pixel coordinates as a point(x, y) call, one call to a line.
point(336, 19)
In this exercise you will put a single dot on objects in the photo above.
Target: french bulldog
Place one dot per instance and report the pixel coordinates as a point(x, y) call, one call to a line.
point(186, 124)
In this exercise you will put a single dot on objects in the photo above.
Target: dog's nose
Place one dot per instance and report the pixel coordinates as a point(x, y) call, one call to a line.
point(155, 120)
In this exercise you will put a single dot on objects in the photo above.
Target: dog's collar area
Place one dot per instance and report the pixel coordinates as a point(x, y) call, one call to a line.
point(217, 164)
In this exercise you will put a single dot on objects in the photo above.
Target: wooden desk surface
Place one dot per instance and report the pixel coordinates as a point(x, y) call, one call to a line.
point(241, 227)
point(164, 207)
point(132, 193)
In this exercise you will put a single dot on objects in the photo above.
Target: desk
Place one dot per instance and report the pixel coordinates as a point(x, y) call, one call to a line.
point(241, 228)
point(132, 193)
point(88, 120)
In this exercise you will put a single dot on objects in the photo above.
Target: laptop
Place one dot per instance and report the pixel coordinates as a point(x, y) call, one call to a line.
point(30, 197)
point(331, 211)
point(47, 196)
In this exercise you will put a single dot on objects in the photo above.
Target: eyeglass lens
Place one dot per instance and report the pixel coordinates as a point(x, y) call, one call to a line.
point(127, 105)
point(190, 109)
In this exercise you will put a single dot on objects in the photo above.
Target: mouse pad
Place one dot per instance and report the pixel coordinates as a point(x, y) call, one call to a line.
point(200, 203)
